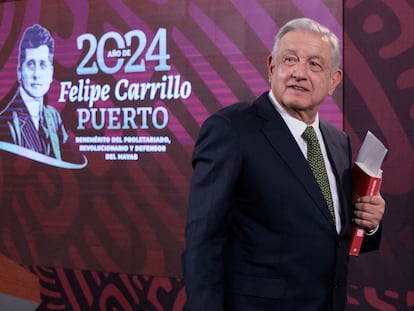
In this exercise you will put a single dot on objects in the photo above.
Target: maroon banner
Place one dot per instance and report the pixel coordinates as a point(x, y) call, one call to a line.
point(97, 208)
point(378, 46)
point(119, 90)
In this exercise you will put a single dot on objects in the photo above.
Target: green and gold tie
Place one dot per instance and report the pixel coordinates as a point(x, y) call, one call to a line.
point(317, 164)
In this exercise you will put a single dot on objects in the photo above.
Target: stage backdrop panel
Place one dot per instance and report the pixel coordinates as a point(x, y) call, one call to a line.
point(132, 83)
point(379, 92)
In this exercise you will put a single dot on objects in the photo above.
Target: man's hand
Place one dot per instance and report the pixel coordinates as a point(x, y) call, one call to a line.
point(368, 211)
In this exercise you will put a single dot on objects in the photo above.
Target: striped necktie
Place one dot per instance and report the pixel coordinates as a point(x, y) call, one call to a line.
point(317, 164)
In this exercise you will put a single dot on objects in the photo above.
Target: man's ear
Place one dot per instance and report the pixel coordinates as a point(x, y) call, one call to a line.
point(270, 66)
point(19, 73)
point(335, 80)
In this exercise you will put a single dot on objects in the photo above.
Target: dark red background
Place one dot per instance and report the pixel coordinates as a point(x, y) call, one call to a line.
point(111, 235)
point(378, 95)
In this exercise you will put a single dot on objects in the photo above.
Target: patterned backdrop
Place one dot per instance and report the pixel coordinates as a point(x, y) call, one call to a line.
point(379, 94)
point(109, 236)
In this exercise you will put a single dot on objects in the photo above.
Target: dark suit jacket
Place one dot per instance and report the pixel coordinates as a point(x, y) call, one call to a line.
point(16, 126)
point(259, 235)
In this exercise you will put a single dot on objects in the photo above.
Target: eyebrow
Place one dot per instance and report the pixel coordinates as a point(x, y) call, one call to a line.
point(290, 51)
point(37, 59)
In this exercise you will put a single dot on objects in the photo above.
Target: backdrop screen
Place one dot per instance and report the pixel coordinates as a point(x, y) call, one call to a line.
point(125, 86)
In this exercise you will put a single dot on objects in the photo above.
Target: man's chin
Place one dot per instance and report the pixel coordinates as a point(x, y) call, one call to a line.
point(298, 105)
point(37, 95)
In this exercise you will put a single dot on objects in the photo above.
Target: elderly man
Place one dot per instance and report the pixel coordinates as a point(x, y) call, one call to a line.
point(28, 121)
point(270, 208)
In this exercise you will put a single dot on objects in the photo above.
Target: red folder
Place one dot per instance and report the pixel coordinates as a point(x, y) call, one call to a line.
point(364, 183)
point(366, 179)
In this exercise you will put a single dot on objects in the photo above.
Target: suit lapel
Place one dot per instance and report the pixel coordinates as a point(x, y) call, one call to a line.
point(279, 136)
point(339, 163)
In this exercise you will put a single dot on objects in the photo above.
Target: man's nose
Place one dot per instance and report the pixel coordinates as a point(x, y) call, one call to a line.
point(299, 71)
point(36, 71)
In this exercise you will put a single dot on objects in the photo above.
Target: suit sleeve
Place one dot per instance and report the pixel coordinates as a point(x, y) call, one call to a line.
point(216, 163)
point(372, 242)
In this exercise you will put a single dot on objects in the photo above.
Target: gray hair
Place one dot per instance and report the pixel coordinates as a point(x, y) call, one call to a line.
point(307, 24)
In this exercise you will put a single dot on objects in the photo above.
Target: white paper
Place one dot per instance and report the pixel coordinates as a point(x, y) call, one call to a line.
point(372, 153)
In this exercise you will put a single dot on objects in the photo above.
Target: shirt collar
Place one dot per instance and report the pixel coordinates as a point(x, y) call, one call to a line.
point(296, 126)
point(32, 104)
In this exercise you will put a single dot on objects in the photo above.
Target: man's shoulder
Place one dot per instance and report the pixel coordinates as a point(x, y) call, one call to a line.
point(15, 104)
point(332, 133)
point(233, 109)
point(240, 108)
point(51, 110)
point(327, 126)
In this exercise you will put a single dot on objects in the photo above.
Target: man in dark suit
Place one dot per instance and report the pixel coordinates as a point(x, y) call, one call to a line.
point(259, 233)
point(28, 121)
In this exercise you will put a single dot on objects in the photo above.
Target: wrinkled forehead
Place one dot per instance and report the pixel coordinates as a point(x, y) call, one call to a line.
point(39, 53)
point(306, 43)
point(309, 38)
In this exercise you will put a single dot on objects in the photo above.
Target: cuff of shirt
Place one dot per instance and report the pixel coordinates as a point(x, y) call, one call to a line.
point(373, 231)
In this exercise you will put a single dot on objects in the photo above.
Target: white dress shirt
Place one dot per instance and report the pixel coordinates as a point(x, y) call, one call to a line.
point(33, 106)
point(297, 127)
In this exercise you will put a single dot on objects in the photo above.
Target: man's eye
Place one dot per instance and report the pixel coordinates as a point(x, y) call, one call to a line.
point(315, 66)
point(290, 60)
point(30, 64)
